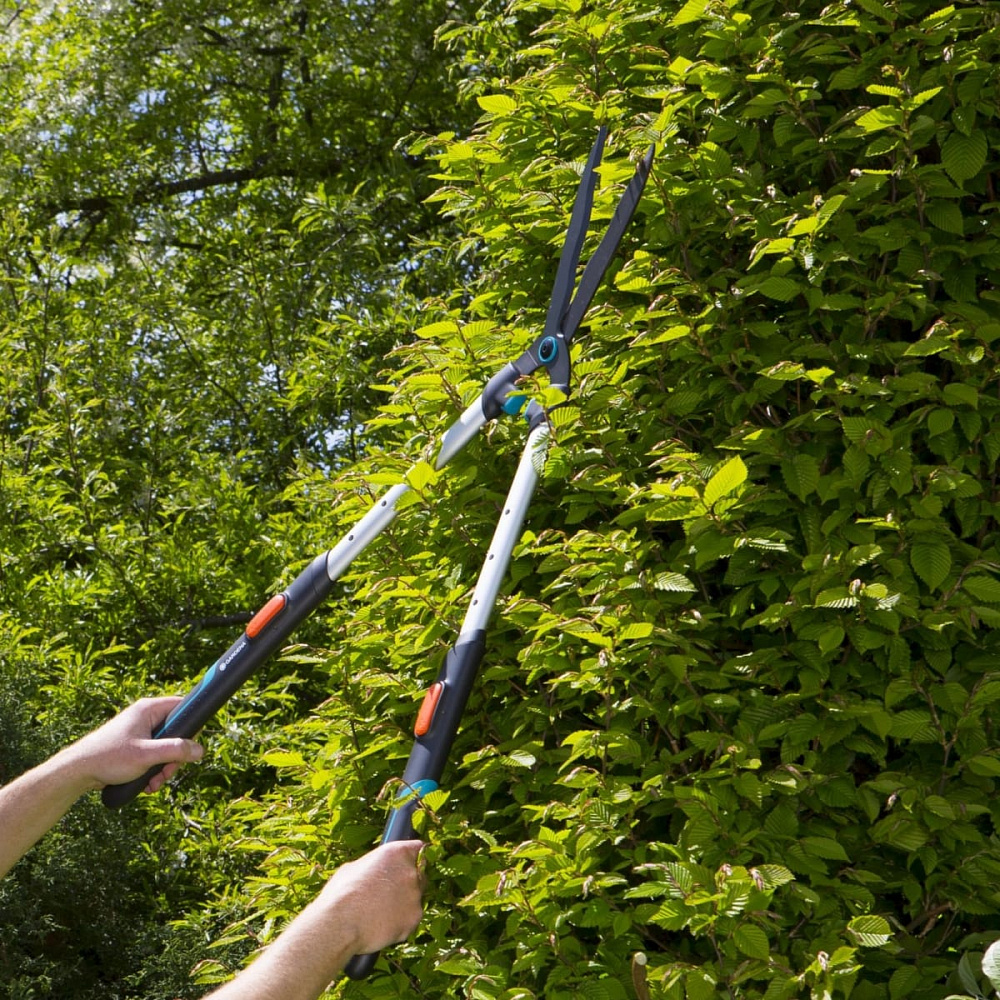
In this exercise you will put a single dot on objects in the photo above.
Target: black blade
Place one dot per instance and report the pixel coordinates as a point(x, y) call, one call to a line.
point(573, 244)
point(597, 266)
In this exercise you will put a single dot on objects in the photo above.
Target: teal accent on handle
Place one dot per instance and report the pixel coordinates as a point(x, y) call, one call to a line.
point(423, 787)
point(514, 405)
point(182, 708)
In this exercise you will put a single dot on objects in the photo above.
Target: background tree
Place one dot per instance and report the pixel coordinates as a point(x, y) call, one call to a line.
point(205, 254)
point(739, 707)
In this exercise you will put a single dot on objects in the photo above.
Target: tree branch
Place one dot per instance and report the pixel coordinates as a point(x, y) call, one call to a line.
point(170, 189)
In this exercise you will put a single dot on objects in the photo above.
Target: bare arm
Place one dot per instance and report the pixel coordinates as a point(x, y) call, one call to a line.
point(119, 751)
point(367, 905)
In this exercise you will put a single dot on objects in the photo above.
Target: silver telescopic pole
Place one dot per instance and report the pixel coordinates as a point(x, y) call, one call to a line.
point(383, 512)
point(508, 531)
point(444, 701)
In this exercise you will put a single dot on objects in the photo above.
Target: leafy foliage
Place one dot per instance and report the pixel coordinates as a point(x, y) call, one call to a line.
point(739, 707)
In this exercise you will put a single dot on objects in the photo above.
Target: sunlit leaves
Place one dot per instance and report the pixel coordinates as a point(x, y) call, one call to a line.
point(870, 931)
point(723, 482)
point(739, 701)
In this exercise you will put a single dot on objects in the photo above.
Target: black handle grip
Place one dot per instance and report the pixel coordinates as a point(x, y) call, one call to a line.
point(437, 724)
point(360, 967)
point(265, 633)
point(115, 796)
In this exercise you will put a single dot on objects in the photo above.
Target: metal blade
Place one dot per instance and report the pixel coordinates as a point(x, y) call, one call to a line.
point(597, 266)
point(573, 244)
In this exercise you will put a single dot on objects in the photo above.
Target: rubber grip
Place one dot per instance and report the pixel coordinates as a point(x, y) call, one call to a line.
point(267, 630)
point(115, 796)
point(360, 967)
point(436, 733)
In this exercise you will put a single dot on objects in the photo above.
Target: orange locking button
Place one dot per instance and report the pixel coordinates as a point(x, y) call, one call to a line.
point(426, 714)
point(266, 615)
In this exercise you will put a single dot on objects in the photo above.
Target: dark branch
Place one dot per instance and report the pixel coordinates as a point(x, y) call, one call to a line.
point(238, 176)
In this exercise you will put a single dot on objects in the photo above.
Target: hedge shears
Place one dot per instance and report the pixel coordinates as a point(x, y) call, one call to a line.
point(440, 712)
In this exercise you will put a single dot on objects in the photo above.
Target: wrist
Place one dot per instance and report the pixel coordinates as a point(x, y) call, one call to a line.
point(70, 766)
point(339, 908)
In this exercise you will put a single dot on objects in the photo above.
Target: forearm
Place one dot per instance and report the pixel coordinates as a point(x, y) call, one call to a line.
point(367, 905)
point(35, 802)
point(118, 751)
point(301, 963)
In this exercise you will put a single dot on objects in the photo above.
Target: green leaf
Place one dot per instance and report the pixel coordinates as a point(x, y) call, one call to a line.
point(830, 639)
point(961, 394)
point(824, 847)
point(861, 430)
point(938, 17)
point(946, 216)
point(801, 475)
point(497, 104)
point(830, 207)
point(880, 118)
point(913, 724)
point(931, 561)
point(870, 930)
point(282, 758)
point(940, 421)
point(963, 156)
point(967, 975)
point(420, 475)
point(983, 588)
point(780, 289)
point(884, 91)
point(921, 97)
point(774, 875)
point(433, 331)
point(836, 597)
point(985, 764)
point(636, 630)
point(802, 227)
point(899, 831)
point(675, 582)
point(519, 758)
point(903, 982)
point(752, 941)
point(939, 806)
point(693, 10)
point(728, 478)
point(928, 346)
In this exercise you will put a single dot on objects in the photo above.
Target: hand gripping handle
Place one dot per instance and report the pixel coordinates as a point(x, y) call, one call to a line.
point(399, 827)
point(434, 731)
point(263, 636)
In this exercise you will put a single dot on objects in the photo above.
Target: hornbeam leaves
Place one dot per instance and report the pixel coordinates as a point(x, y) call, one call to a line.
point(931, 561)
point(726, 480)
point(739, 701)
point(963, 156)
point(871, 931)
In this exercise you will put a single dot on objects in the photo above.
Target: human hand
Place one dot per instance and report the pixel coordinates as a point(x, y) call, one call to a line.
point(379, 895)
point(122, 749)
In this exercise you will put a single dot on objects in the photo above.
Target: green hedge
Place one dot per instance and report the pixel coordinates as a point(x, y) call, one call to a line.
point(738, 714)
point(739, 709)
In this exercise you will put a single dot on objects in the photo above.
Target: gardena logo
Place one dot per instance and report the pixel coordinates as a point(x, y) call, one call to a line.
point(232, 654)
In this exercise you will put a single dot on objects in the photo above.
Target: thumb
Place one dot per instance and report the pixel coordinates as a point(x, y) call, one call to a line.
point(168, 751)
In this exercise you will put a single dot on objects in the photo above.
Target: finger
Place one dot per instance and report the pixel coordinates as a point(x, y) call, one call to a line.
point(157, 709)
point(156, 782)
point(172, 750)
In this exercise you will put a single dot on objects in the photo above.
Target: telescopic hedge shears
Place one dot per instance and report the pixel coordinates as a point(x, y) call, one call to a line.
point(444, 701)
